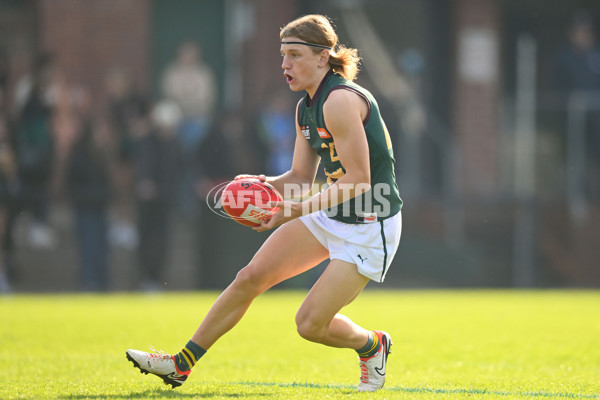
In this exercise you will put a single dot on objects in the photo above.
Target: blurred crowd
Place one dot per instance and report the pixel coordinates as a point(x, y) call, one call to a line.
point(130, 164)
point(578, 81)
point(126, 166)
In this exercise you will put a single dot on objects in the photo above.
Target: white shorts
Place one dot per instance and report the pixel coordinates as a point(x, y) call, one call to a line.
point(371, 246)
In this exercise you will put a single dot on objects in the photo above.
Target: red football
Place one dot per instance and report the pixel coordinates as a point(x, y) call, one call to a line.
point(246, 201)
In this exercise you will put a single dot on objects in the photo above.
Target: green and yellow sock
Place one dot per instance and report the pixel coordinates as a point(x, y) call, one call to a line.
point(188, 356)
point(372, 346)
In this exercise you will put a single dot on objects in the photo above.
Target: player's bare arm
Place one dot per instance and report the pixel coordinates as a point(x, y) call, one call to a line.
point(344, 112)
point(304, 166)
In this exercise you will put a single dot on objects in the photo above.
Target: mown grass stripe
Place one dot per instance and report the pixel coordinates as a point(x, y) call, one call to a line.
point(424, 390)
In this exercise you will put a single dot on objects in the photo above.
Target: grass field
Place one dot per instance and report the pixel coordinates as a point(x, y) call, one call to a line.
point(447, 345)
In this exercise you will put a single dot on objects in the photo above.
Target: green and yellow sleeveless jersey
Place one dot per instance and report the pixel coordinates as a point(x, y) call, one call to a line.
point(383, 199)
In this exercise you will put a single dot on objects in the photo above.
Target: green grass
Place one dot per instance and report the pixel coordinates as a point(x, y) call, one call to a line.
point(447, 345)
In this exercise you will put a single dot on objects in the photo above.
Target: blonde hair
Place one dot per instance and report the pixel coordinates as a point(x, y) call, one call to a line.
point(317, 29)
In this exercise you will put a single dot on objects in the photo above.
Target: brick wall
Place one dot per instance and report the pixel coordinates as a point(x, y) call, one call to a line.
point(476, 91)
point(90, 38)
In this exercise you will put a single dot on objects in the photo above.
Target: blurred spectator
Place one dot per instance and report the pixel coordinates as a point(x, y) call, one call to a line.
point(72, 101)
point(8, 180)
point(246, 148)
point(215, 159)
point(579, 60)
point(126, 105)
point(218, 164)
point(128, 111)
point(191, 84)
point(36, 98)
point(7, 170)
point(578, 73)
point(4, 75)
point(231, 148)
point(276, 129)
point(88, 187)
point(157, 166)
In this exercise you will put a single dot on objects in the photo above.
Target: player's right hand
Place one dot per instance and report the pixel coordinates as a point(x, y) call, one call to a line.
point(288, 210)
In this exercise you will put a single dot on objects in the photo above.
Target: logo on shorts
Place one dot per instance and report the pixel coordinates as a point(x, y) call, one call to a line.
point(362, 260)
point(366, 218)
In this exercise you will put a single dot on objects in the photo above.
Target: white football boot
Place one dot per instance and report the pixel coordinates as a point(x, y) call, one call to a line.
point(372, 369)
point(160, 364)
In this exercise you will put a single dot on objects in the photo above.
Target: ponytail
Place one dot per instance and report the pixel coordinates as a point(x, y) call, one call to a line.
point(345, 61)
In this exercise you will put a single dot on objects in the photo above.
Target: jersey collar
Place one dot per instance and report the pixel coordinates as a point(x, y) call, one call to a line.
point(309, 101)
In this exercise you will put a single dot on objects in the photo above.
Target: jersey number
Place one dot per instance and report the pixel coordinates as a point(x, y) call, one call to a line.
point(332, 153)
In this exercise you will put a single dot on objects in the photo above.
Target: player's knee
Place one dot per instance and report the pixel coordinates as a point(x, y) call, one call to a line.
point(250, 280)
point(310, 330)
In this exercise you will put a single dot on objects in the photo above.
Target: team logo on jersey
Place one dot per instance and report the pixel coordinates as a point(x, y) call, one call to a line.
point(305, 131)
point(323, 134)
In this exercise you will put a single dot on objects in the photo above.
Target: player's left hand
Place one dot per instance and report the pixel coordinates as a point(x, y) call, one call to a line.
point(288, 210)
